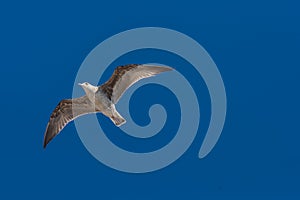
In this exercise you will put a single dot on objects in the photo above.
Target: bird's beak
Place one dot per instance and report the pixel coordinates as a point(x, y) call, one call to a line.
point(80, 84)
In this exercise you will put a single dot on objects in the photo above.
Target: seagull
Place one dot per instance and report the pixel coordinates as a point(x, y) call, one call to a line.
point(99, 99)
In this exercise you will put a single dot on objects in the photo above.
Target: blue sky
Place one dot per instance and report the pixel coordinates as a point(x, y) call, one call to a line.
point(256, 47)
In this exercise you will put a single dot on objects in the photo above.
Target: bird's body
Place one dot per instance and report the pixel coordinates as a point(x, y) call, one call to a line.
point(106, 106)
point(99, 98)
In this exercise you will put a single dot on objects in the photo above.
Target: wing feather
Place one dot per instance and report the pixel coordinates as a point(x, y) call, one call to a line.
point(125, 76)
point(67, 110)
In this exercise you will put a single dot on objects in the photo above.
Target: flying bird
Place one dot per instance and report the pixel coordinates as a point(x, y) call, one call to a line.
point(100, 99)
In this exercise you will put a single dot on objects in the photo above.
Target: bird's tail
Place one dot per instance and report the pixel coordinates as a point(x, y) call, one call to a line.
point(117, 119)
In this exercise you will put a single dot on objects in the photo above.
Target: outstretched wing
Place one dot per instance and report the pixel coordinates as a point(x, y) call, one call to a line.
point(66, 111)
point(125, 76)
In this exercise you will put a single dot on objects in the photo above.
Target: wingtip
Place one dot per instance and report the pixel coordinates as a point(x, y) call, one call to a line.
point(44, 145)
point(162, 67)
point(166, 68)
point(169, 68)
point(45, 142)
point(47, 139)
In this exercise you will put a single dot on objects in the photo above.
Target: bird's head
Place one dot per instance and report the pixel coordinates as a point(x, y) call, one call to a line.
point(88, 88)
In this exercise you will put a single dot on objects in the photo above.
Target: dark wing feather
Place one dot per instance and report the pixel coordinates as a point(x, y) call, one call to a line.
point(66, 111)
point(125, 76)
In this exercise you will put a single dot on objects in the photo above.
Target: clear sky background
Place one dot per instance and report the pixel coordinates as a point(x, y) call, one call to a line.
point(256, 46)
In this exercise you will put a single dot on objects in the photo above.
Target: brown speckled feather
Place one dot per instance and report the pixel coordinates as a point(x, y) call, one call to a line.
point(125, 76)
point(66, 111)
point(107, 87)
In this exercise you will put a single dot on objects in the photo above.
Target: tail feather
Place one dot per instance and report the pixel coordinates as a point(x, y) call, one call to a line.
point(118, 120)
